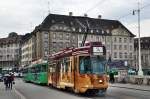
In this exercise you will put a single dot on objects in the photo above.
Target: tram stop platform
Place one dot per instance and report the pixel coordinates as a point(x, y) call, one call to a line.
point(7, 94)
point(131, 86)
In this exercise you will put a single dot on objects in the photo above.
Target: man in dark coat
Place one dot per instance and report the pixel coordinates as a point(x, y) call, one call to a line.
point(6, 82)
point(10, 81)
point(111, 76)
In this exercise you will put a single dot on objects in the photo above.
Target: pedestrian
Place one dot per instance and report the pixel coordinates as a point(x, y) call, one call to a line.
point(6, 82)
point(10, 81)
point(111, 76)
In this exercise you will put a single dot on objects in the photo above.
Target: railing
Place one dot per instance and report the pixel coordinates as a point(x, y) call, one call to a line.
point(140, 80)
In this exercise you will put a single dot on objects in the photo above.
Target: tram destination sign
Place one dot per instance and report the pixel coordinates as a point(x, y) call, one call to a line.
point(97, 50)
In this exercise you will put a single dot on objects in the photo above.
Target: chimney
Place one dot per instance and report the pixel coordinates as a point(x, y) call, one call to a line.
point(85, 15)
point(70, 13)
point(99, 16)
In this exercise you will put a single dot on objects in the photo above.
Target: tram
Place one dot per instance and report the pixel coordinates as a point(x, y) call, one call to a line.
point(82, 69)
point(36, 73)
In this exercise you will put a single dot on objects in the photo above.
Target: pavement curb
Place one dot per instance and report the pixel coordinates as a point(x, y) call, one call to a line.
point(21, 96)
point(131, 88)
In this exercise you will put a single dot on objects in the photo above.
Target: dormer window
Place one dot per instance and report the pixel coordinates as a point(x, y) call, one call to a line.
point(73, 29)
point(107, 31)
point(91, 31)
point(53, 21)
point(71, 23)
point(80, 30)
point(97, 30)
point(60, 27)
point(102, 32)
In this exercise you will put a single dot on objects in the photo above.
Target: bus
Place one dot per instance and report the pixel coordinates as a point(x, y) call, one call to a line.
point(82, 69)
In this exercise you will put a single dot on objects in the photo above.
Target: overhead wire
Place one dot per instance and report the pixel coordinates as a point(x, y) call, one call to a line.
point(93, 7)
point(131, 12)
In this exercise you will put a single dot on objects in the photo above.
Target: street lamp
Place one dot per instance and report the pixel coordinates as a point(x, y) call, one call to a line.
point(140, 72)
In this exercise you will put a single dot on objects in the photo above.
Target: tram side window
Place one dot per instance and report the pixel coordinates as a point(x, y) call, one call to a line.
point(85, 64)
point(25, 71)
point(43, 68)
point(33, 70)
point(37, 69)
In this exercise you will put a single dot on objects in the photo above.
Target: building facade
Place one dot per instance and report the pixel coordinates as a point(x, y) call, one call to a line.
point(27, 50)
point(57, 32)
point(145, 54)
point(10, 51)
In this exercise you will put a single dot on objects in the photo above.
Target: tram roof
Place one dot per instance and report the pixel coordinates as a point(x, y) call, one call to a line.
point(74, 51)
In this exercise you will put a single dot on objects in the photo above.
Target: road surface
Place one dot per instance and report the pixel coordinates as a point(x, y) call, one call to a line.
point(32, 91)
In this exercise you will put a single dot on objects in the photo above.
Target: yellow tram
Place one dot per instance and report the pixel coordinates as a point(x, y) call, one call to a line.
point(82, 69)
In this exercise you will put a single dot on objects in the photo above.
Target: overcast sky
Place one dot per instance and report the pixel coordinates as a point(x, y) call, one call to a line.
point(22, 16)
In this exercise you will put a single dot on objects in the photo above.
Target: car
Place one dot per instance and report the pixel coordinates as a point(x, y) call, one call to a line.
point(1, 78)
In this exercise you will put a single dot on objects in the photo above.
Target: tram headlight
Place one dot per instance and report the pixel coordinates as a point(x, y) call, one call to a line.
point(100, 81)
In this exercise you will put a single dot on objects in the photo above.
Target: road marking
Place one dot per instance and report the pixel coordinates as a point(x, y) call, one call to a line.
point(21, 96)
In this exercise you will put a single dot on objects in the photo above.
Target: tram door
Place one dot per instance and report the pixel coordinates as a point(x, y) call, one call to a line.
point(54, 74)
point(75, 71)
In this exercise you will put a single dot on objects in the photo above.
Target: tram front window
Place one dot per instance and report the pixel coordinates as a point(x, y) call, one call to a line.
point(92, 65)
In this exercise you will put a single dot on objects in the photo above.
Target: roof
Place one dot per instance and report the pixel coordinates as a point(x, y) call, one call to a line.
point(10, 40)
point(145, 42)
point(73, 21)
point(26, 37)
point(77, 51)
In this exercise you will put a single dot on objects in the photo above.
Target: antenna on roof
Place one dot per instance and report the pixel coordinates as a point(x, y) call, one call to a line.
point(48, 7)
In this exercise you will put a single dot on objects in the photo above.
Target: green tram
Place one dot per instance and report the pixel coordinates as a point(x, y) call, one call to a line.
point(36, 73)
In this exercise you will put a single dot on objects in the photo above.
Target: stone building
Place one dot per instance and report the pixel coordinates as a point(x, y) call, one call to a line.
point(10, 51)
point(27, 49)
point(57, 32)
point(145, 54)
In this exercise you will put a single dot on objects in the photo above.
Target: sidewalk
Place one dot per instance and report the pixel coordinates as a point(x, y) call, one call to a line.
point(131, 86)
point(7, 94)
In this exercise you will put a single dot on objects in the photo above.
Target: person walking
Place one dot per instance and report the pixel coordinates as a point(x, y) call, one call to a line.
point(111, 76)
point(10, 81)
point(6, 82)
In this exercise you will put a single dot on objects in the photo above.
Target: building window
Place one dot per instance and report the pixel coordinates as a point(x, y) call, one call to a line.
point(61, 36)
point(107, 31)
point(80, 29)
point(115, 54)
point(125, 40)
point(115, 39)
point(97, 31)
point(108, 47)
point(73, 29)
point(53, 21)
point(91, 31)
point(120, 47)
point(102, 31)
point(54, 44)
point(120, 55)
point(67, 36)
point(130, 55)
point(120, 40)
point(115, 47)
point(97, 38)
point(130, 47)
point(73, 37)
point(67, 44)
point(130, 40)
point(54, 35)
point(125, 55)
point(125, 47)
point(61, 44)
